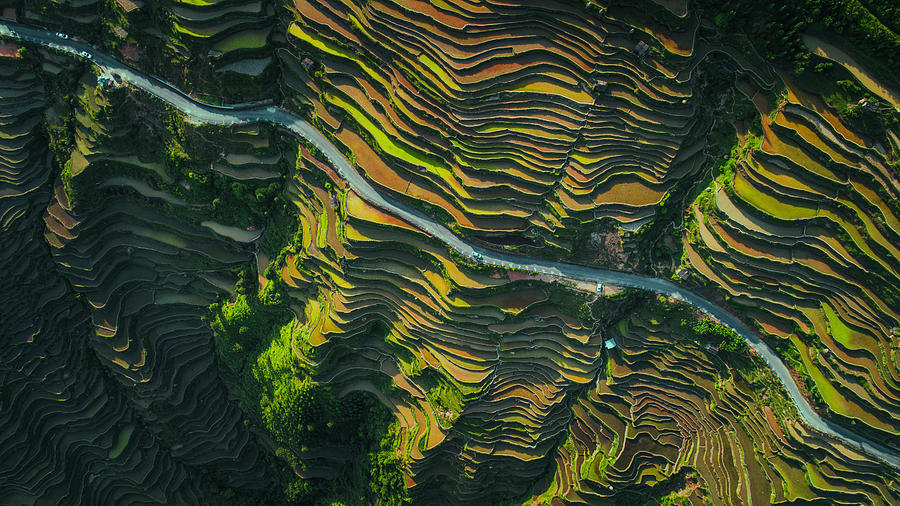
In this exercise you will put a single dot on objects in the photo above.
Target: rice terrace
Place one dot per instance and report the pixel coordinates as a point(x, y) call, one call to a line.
point(365, 252)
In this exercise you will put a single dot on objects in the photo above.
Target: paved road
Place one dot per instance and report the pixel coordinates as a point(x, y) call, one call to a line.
point(226, 115)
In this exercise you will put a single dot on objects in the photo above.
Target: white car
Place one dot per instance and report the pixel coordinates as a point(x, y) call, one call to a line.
point(62, 35)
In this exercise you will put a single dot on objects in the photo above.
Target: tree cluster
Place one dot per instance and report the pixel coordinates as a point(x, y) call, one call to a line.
point(254, 336)
point(775, 27)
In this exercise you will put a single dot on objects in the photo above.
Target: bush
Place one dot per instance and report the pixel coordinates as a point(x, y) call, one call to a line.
point(728, 340)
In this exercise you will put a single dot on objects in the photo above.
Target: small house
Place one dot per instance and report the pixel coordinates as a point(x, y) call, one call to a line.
point(872, 106)
point(9, 49)
point(129, 51)
point(130, 5)
point(610, 343)
point(641, 49)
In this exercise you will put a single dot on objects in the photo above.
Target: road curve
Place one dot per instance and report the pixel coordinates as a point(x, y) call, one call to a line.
point(229, 115)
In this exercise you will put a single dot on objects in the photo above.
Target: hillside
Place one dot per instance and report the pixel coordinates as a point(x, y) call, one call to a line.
point(203, 306)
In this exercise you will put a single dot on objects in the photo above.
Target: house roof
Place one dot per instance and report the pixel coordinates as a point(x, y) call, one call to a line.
point(130, 5)
point(129, 51)
point(9, 50)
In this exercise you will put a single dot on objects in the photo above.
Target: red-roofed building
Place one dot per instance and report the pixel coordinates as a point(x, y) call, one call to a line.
point(9, 49)
point(129, 51)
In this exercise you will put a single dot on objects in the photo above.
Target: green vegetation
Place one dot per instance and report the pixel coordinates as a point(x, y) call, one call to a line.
point(574, 303)
point(536, 163)
point(232, 202)
point(792, 358)
point(708, 330)
point(253, 338)
point(687, 323)
point(672, 491)
point(702, 329)
point(722, 107)
point(775, 28)
point(840, 90)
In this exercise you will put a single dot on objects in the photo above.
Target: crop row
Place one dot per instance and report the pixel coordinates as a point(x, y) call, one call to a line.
point(667, 406)
point(501, 124)
point(479, 365)
point(806, 243)
point(147, 278)
point(67, 436)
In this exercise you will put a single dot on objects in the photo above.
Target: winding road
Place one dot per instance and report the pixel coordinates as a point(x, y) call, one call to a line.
point(234, 115)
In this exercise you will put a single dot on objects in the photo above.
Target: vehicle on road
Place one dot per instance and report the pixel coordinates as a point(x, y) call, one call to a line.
point(62, 35)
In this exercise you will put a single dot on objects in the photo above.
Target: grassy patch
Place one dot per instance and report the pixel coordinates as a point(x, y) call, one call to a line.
point(253, 336)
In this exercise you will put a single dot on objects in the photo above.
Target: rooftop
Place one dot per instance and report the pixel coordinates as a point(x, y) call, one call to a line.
point(130, 5)
point(129, 51)
point(9, 50)
point(641, 48)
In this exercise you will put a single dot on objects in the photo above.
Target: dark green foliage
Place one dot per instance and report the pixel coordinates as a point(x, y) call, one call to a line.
point(253, 338)
point(570, 301)
point(385, 480)
point(775, 26)
point(728, 340)
point(301, 412)
point(281, 230)
point(188, 155)
point(887, 11)
point(607, 310)
point(692, 325)
point(841, 91)
point(661, 493)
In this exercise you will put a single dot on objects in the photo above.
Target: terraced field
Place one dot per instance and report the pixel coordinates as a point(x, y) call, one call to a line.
point(473, 357)
point(805, 241)
point(515, 121)
point(60, 411)
point(667, 407)
point(232, 305)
